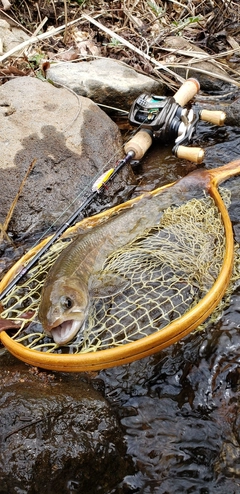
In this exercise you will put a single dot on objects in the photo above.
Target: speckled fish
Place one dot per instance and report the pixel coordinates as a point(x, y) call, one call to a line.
point(75, 277)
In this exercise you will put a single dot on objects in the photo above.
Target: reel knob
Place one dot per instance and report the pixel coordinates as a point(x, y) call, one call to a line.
point(187, 91)
point(194, 154)
point(215, 117)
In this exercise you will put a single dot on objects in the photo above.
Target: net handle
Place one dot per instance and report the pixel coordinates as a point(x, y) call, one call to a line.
point(168, 335)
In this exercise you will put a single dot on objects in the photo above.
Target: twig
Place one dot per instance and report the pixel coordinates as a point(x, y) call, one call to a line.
point(4, 234)
point(15, 22)
point(207, 72)
point(132, 47)
point(40, 26)
point(66, 19)
point(39, 13)
point(202, 56)
point(36, 39)
point(10, 212)
point(199, 57)
point(21, 427)
point(55, 12)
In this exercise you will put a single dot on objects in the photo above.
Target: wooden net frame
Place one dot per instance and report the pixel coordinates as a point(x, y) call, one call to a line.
point(208, 181)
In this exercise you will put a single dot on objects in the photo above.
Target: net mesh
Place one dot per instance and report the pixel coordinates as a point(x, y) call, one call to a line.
point(169, 269)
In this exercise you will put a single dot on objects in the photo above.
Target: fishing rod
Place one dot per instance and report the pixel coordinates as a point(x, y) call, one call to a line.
point(97, 188)
point(163, 118)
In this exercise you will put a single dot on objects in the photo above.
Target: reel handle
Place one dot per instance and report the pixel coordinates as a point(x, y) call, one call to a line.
point(139, 144)
point(215, 117)
point(194, 154)
point(187, 91)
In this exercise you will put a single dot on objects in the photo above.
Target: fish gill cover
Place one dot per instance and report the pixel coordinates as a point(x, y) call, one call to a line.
point(168, 269)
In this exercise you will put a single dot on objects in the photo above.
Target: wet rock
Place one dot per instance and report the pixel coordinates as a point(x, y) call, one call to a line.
point(207, 82)
point(232, 111)
point(105, 81)
point(58, 434)
point(230, 105)
point(72, 141)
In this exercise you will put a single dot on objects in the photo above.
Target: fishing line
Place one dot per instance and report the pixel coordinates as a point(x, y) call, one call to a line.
point(178, 271)
point(95, 193)
point(156, 116)
point(101, 170)
point(91, 182)
point(184, 94)
point(168, 293)
point(94, 178)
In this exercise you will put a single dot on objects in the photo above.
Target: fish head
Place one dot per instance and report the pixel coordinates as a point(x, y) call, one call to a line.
point(63, 309)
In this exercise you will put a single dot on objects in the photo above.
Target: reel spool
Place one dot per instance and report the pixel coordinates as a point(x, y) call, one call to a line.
point(168, 120)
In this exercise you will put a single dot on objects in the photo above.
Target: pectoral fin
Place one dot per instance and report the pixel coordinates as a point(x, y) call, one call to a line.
point(103, 285)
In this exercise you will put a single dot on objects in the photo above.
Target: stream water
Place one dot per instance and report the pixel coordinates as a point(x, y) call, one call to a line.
point(179, 409)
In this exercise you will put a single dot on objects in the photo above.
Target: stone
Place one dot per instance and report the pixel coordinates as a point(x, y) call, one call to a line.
point(72, 141)
point(6, 4)
point(207, 82)
point(105, 81)
point(57, 434)
point(229, 105)
point(11, 36)
point(232, 111)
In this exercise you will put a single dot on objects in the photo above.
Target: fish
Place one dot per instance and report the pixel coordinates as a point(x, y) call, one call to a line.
point(77, 275)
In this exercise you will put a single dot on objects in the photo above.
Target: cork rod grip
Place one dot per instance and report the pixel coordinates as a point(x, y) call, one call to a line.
point(139, 144)
point(196, 155)
point(187, 91)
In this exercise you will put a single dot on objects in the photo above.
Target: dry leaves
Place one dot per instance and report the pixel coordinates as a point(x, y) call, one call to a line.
point(213, 25)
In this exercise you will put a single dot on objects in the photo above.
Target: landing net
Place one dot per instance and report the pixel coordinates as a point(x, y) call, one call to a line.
point(169, 268)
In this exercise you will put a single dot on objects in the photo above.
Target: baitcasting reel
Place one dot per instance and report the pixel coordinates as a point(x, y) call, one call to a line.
point(170, 121)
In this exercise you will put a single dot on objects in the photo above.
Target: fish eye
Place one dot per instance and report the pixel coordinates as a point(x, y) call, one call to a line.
point(66, 302)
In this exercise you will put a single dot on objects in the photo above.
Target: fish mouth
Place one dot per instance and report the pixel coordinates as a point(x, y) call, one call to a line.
point(65, 332)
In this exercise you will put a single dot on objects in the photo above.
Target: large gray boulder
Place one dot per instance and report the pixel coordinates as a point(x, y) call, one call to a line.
point(72, 141)
point(105, 81)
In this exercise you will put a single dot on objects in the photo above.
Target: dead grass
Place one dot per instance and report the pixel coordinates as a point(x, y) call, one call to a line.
point(213, 25)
